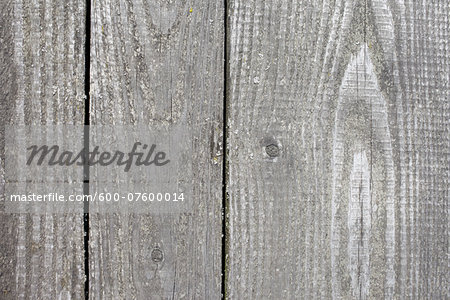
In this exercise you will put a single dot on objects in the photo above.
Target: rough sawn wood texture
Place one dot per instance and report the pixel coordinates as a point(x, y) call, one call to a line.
point(42, 83)
point(355, 96)
point(337, 181)
point(161, 62)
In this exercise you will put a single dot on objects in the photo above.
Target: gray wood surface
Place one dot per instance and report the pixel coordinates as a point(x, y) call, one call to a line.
point(355, 96)
point(337, 149)
point(42, 82)
point(161, 62)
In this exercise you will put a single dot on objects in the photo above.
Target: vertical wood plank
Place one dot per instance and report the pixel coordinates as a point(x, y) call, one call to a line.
point(338, 149)
point(157, 61)
point(42, 75)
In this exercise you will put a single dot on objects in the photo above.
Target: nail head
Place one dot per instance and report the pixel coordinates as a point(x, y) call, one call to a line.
point(272, 150)
point(157, 255)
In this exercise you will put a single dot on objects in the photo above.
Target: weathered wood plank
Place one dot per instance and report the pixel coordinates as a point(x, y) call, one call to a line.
point(156, 62)
point(42, 76)
point(338, 150)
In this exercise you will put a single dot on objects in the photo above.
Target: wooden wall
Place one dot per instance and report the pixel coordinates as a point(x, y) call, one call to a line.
point(320, 137)
point(356, 97)
point(42, 84)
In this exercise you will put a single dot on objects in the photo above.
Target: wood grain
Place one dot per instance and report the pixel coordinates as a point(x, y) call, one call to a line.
point(160, 62)
point(355, 96)
point(338, 143)
point(42, 75)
